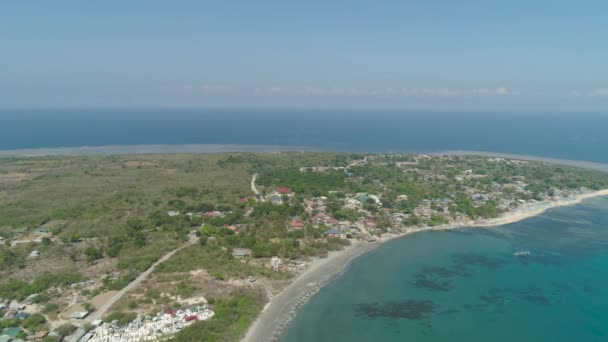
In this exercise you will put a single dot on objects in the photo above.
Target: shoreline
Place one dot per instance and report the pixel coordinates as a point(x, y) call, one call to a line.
point(282, 308)
point(110, 150)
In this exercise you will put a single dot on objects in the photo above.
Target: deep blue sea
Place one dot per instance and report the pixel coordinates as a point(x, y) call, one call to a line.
point(578, 136)
point(467, 285)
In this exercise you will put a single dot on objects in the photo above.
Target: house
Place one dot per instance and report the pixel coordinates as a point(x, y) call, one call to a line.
point(362, 197)
point(42, 230)
point(370, 224)
point(284, 190)
point(79, 315)
point(29, 299)
point(276, 199)
point(320, 218)
point(296, 223)
point(213, 214)
point(276, 263)
point(402, 198)
point(241, 252)
point(333, 233)
point(173, 213)
point(14, 305)
point(34, 254)
point(233, 228)
point(22, 315)
point(41, 334)
point(10, 333)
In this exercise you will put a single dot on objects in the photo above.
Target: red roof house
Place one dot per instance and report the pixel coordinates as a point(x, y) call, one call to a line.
point(284, 190)
point(370, 224)
point(296, 223)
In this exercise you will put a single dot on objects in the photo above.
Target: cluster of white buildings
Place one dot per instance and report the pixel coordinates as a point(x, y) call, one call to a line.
point(150, 329)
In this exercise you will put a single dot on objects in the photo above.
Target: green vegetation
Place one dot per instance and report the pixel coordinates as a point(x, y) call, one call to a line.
point(34, 322)
point(306, 183)
point(65, 329)
point(122, 318)
point(213, 259)
point(232, 318)
point(17, 289)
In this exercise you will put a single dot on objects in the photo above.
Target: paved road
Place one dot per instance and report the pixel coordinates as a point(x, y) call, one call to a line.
point(97, 314)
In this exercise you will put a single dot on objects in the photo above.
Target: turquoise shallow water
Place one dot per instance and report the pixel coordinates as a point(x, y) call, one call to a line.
point(467, 285)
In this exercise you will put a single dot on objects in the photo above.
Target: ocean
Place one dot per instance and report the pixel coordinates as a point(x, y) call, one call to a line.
point(468, 285)
point(577, 136)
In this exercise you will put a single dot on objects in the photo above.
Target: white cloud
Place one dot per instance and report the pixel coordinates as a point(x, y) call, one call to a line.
point(601, 92)
point(503, 91)
point(336, 91)
point(217, 89)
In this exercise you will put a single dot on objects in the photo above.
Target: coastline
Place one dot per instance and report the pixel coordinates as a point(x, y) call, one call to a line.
point(279, 311)
point(147, 149)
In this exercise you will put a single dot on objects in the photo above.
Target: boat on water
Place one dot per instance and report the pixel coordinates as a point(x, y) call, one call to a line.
point(522, 253)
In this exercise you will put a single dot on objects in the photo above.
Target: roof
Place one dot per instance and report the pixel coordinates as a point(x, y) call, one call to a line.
point(333, 231)
point(12, 332)
point(284, 190)
point(79, 314)
point(296, 223)
point(241, 252)
point(41, 334)
point(22, 315)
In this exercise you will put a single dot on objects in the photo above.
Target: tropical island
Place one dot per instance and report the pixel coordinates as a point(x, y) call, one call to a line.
point(196, 246)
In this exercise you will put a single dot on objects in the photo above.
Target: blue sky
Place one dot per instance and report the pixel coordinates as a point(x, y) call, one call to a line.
point(503, 55)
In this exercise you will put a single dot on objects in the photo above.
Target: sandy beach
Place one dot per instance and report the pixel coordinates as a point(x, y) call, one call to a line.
point(283, 307)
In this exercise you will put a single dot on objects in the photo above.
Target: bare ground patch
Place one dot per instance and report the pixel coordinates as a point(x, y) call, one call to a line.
point(137, 163)
point(16, 177)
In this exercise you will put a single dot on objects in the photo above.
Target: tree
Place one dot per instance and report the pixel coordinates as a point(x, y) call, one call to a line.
point(65, 329)
point(46, 241)
point(33, 322)
point(92, 253)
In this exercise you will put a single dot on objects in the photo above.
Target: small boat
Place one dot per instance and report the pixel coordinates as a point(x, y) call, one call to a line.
point(522, 253)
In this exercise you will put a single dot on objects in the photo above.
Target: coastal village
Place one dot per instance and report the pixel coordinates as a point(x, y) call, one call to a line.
point(364, 200)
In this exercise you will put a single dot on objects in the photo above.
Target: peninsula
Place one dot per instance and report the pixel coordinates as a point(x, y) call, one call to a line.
point(226, 246)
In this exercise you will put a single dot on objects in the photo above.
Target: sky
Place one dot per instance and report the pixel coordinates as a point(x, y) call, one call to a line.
point(521, 55)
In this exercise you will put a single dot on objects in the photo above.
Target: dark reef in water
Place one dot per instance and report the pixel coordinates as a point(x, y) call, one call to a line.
point(438, 278)
point(428, 283)
point(499, 296)
point(409, 309)
point(464, 260)
point(444, 271)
